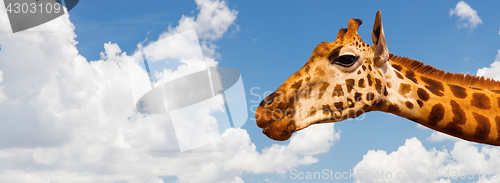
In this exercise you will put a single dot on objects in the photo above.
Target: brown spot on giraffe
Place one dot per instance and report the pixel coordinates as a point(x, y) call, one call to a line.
point(378, 85)
point(409, 105)
point(339, 106)
point(357, 96)
point(364, 67)
point(307, 68)
point(312, 111)
point(436, 114)
point(458, 91)
point(312, 59)
point(359, 72)
point(411, 76)
point(480, 101)
point(320, 72)
point(399, 75)
point(326, 109)
point(397, 67)
point(389, 84)
point(498, 102)
point(433, 86)
point(393, 108)
point(370, 96)
point(349, 84)
point(369, 79)
point(337, 91)
point(497, 121)
point(483, 126)
point(404, 88)
point(323, 89)
point(422, 94)
point(454, 127)
point(361, 83)
point(420, 103)
point(385, 91)
point(370, 68)
point(296, 85)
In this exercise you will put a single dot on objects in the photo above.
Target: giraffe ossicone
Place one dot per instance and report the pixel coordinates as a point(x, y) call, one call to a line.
point(347, 77)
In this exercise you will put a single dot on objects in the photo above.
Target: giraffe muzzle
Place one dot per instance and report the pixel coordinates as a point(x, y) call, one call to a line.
point(277, 124)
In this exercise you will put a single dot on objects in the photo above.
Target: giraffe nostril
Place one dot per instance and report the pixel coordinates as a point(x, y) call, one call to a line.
point(270, 102)
point(266, 102)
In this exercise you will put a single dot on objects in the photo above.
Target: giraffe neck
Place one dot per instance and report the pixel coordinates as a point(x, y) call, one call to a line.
point(465, 112)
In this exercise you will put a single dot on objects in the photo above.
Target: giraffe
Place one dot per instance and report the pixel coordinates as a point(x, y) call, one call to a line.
point(347, 77)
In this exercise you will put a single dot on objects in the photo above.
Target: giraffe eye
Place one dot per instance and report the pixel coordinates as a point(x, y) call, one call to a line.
point(346, 60)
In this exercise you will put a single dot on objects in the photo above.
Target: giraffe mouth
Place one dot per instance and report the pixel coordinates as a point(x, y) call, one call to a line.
point(275, 125)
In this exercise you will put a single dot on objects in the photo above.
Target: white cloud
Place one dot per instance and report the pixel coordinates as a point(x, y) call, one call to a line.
point(411, 157)
point(493, 71)
point(65, 119)
point(422, 165)
point(211, 23)
point(2, 95)
point(311, 142)
point(439, 137)
point(316, 139)
point(468, 16)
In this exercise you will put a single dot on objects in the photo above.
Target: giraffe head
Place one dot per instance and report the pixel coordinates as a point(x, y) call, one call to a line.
point(341, 80)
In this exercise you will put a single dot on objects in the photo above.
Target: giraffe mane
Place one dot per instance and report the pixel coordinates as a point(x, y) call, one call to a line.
point(466, 80)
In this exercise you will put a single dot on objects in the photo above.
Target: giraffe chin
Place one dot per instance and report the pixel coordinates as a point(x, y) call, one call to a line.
point(274, 125)
point(280, 130)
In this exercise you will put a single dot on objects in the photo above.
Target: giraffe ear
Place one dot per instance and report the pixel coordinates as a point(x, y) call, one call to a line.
point(379, 44)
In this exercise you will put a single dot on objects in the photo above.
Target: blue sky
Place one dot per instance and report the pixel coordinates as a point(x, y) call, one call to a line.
point(275, 39)
point(270, 40)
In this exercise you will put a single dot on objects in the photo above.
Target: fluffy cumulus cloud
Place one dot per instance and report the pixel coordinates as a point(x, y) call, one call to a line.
point(468, 16)
point(65, 119)
point(493, 71)
point(212, 22)
point(412, 162)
